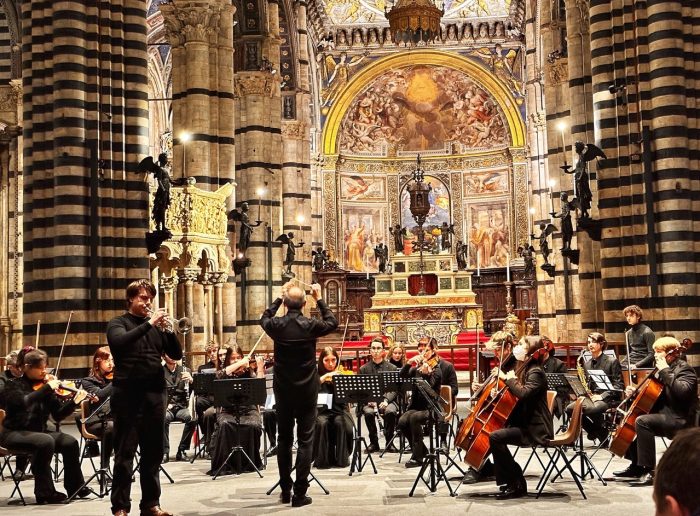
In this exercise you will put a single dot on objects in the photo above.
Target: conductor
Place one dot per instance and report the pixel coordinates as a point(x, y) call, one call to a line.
point(296, 383)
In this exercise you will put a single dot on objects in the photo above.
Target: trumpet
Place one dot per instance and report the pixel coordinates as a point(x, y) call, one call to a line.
point(171, 325)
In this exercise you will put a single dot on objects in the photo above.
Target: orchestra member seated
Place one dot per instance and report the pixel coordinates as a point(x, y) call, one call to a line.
point(501, 344)
point(270, 422)
point(333, 439)
point(594, 408)
point(208, 420)
point(99, 383)
point(397, 355)
point(178, 380)
point(204, 402)
point(29, 400)
point(675, 488)
point(388, 408)
point(529, 424)
point(552, 364)
point(411, 422)
point(449, 377)
point(675, 409)
point(239, 425)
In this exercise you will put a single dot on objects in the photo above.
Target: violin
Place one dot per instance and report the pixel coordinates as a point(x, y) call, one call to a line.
point(110, 375)
point(65, 390)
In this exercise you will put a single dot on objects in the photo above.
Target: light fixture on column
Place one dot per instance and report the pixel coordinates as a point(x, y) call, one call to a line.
point(300, 220)
point(414, 21)
point(184, 138)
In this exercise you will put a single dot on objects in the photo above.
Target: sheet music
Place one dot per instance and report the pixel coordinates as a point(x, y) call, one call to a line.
point(325, 399)
point(601, 380)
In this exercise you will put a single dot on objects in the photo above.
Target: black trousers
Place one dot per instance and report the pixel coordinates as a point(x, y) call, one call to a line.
point(411, 425)
point(389, 414)
point(182, 414)
point(594, 417)
point(139, 416)
point(648, 427)
point(507, 470)
point(269, 418)
point(201, 404)
point(304, 416)
point(42, 446)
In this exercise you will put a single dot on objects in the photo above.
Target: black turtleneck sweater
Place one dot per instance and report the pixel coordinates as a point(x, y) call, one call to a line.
point(28, 409)
point(137, 348)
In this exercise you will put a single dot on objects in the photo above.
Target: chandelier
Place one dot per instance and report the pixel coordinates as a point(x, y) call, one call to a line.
point(413, 21)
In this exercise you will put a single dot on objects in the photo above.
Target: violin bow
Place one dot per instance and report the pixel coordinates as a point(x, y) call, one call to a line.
point(342, 342)
point(38, 330)
point(252, 350)
point(63, 344)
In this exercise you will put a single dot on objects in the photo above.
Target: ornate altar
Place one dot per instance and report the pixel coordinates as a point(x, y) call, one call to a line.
point(449, 307)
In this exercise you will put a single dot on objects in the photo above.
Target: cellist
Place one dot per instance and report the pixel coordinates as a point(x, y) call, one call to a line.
point(501, 344)
point(530, 423)
point(675, 409)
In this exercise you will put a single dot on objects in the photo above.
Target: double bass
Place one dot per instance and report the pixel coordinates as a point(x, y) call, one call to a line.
point(642, 400)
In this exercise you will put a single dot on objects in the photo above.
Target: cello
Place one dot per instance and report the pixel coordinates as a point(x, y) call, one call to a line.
point(488, 415)
point(642, 400)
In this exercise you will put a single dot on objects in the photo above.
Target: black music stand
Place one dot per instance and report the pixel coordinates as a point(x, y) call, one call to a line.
point(234, 393)
point(202, 385)
point(103, 414)
point(391, 381)
point(432, 459)
point(359, 389)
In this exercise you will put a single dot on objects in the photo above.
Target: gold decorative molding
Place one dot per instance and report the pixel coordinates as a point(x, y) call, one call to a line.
point(457, 206)
point(392, 186)
point(330, 212)
point(520, 205)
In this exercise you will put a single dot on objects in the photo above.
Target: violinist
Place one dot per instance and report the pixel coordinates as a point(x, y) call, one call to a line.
point(675, 409)
point(29, 401)
point(388, 407)
point(204, 402)
point(417, 413)
point(139, 397)
point(530, 423)
point(449, 377)
point(178, 380)
point(600, 400)
point(228, 433)
point(333, 439)
point(501, 344)
point(99, 383)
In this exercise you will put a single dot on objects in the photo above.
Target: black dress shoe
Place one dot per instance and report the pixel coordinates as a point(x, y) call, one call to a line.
point(166, 459)
point(631, 471)
point(285, 497)
point(300, 501)
point(647, 479)
point(391, 449)
point(53, 498)
point(517, 490)
point(84, 492)
point(372, 448)
point(473, 476)
point(181, 455)
point(413, 463)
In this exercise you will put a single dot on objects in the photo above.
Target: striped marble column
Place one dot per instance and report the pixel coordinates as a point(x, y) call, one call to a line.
point(85, 208)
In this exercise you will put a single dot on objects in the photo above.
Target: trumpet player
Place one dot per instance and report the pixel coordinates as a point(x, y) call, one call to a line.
point(139, 396)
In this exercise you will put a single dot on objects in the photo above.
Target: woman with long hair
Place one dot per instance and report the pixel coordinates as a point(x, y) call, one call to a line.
point(99, 383)
point(529, 423)
point(333, 432)
point(241, 425)
point(397, 355)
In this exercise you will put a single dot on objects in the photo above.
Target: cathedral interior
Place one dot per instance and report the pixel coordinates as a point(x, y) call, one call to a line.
point(555, 141)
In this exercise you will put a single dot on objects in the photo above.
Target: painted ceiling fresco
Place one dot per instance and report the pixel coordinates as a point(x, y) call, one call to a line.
point(363, 12)
point(422, 108)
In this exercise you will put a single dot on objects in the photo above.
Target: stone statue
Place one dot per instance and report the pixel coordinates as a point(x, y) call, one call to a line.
point(318, 259)
point(461, 253)
point(586, 153)
point(381, 255)
point(288, 239)
point(398, 233)
point(567, 227)
point(161, 200)
point(446, 231)
point(246, 227)
point(545, 231)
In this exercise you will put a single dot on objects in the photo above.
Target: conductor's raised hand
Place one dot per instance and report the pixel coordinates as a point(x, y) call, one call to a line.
point(316, 291)
point(285, 289)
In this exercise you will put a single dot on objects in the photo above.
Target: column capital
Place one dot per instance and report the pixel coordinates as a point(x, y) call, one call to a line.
point(168, 282)
point(255, 83)
point(295, 130)
point(192, 22)
point(188, 276)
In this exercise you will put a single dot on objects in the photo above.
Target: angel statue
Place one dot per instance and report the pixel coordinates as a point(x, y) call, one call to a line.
point(545, 231)
point(381, 254)
point(567, 228)
point(461, 251)
point(398, 233)
point(317, 258)
point(445, 232)
point(288, 239)
point(246, 227)
point(582, 187)
point(161, 200)
point(527, 252)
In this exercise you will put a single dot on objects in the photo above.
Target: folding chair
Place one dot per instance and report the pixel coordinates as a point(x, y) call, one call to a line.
point(551, 400)
point(5, 456)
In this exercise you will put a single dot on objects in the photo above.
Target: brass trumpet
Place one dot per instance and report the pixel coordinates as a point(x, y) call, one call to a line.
point(171, 325)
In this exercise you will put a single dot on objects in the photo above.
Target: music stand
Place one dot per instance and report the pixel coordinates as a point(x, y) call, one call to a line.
point(103, 414)
point(202, 385)
point(233, 394)
point(392, 381)
point(432, 458)
point(359, 389)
